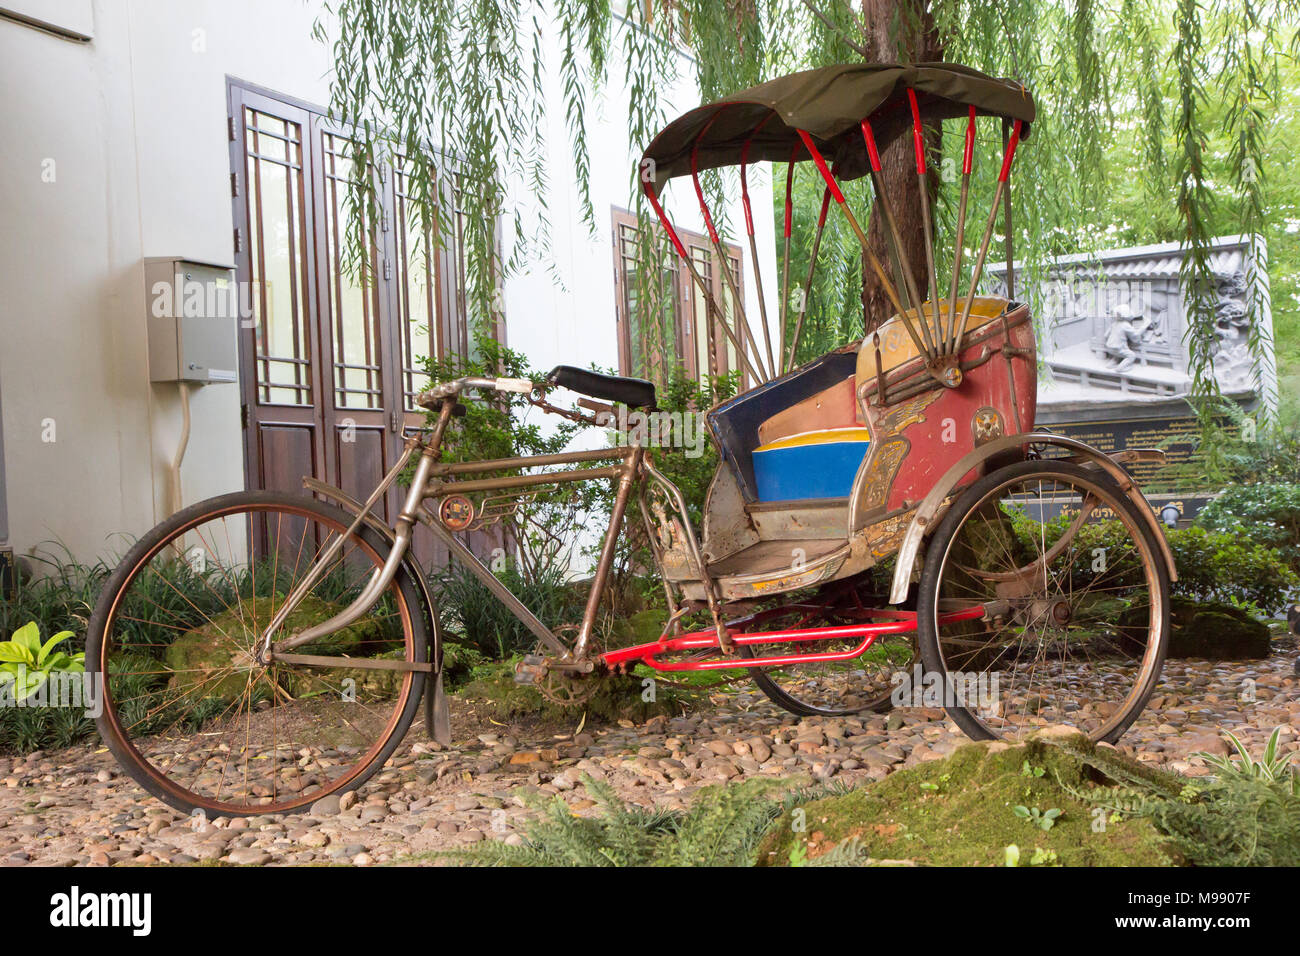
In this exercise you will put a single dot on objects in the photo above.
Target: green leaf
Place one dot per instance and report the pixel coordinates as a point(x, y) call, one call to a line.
point(29, 685)
point(28, 636)
point(1270, 748)
point(49, 645)
point(1011, 853)
point(13, 651)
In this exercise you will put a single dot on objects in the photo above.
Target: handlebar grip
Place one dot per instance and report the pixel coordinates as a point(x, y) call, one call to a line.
point(521, 385)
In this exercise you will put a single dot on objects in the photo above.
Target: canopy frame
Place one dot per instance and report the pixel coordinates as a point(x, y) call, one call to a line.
point(939, 343)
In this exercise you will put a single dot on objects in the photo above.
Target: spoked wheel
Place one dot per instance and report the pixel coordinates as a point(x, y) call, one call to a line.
point(1077, 594)
point(827, 688)
point(190, 713)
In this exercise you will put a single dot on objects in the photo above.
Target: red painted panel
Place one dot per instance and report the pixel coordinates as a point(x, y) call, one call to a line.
point(996, 398)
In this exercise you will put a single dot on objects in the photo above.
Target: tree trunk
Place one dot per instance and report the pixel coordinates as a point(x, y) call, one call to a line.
point(899, 31)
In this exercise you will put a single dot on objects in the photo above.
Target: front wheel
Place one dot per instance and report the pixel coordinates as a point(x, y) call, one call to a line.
point(1076, 598)
point(187, 709)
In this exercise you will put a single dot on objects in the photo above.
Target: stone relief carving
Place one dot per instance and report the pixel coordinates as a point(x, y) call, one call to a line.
point(1116, 323)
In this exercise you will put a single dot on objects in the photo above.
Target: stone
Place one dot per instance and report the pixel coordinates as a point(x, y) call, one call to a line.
point(327, 806)
point(249, 856)
point(1207, 743)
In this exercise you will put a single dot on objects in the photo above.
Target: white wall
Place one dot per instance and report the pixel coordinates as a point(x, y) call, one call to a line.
point(134, 122)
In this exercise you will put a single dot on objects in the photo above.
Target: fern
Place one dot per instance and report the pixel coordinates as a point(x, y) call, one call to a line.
point(1248, 816)
point(722, 828)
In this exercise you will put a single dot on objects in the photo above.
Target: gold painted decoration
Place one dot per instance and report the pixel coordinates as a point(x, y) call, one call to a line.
point(456, 512)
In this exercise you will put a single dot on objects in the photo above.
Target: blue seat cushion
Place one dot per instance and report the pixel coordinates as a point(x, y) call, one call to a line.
point(819, 464)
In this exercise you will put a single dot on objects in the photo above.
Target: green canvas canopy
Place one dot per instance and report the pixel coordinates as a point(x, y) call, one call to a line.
point(829, 103)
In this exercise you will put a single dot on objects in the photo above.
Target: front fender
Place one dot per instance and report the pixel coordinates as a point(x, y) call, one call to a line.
point(409, 561)
point(924, 518)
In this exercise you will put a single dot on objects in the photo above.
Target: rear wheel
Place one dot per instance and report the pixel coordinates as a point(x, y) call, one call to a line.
point(1077, 597)
point(189, 712)
point(828, 688)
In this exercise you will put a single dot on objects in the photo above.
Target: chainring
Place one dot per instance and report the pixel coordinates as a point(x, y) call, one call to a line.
point(566, 688)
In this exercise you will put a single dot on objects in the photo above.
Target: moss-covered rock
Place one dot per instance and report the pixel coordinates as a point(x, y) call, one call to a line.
point(201, 657)
point(962, 811)
point(1210, 630)
point(615, 697)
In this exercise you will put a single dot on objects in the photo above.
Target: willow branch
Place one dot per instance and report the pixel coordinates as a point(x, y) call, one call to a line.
point(839, 34)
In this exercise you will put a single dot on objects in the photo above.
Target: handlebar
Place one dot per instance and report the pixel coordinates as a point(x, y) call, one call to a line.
point(521, 386)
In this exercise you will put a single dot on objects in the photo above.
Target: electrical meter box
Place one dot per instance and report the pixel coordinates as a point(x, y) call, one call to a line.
point(193, 321)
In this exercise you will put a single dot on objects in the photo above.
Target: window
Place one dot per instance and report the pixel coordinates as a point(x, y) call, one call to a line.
point(682, 333)
point(332, 362)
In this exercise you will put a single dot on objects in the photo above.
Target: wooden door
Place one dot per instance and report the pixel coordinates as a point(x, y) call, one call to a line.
point(331, 360)
point(360, 422)
point(283, 372)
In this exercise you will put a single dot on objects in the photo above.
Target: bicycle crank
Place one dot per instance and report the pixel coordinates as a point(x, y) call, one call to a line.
point(565, 686)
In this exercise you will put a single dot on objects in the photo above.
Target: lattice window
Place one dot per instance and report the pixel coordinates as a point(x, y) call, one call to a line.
point(278, 247)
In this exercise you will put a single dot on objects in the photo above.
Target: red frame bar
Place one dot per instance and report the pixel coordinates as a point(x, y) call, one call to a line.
point(649, 190)
point(918, 139)
point(826, 205)
point(744, 181)
point(904, 622)
point(869, 138)
point(695, 177)
point(822, 168)
point(1011, 151)
point(968, 157)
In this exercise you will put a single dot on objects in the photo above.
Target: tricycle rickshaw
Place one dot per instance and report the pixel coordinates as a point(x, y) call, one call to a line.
point(260, 650)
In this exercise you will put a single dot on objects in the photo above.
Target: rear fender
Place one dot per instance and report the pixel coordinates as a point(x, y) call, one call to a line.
point(925, 517)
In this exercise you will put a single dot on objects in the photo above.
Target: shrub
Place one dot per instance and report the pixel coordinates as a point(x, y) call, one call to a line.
point(58, 603)
point(60, 599)
point(722, 828)
point(541, 525)
point(27, 662)
point(1241, 446)
point(1225, 566)
point(1222, 565)
point(474, 616)
point(1266, 514)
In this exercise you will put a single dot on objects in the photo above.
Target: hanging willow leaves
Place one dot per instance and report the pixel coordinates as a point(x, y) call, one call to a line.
point(455, 90)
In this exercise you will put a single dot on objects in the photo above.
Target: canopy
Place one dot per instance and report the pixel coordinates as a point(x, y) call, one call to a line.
point(829, 103)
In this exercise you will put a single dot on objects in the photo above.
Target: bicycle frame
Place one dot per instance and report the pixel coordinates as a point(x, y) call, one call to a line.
point(433, 480)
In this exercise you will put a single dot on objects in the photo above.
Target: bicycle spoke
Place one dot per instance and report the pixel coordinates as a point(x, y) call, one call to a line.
point(208, 723)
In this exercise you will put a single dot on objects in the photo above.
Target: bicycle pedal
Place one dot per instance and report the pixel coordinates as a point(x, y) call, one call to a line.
point(530, 670)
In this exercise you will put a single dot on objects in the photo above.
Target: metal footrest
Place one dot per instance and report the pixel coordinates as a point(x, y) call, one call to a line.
point(531, 670)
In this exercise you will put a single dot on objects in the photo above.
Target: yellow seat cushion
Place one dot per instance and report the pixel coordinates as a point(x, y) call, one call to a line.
point(896, 345)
